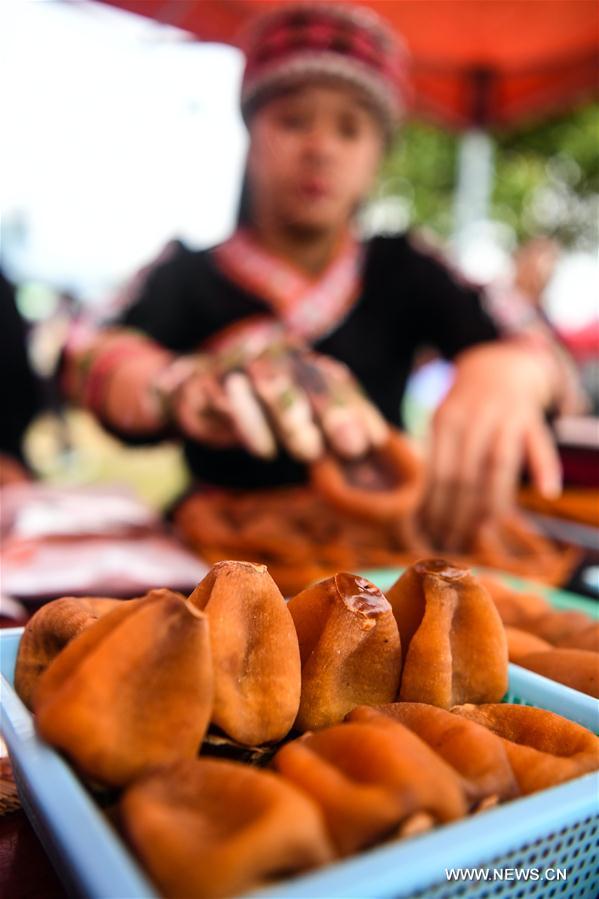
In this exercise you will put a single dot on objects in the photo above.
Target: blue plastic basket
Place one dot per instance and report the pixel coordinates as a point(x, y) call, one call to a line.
point(552, 831)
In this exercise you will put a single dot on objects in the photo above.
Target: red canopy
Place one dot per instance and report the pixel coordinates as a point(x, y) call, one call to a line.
point(475, 62)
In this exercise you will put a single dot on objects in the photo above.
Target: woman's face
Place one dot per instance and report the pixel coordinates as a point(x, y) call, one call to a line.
point(313, 157)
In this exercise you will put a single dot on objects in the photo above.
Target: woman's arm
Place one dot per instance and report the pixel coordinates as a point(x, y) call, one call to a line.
point(491, 423)
point(488, 428)
point(286, 395)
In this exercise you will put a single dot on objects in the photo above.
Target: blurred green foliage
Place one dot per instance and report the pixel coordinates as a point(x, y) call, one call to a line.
point(546, 177)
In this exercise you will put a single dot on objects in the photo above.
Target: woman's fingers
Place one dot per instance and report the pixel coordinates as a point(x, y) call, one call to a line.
point(312, 399)
point(285, 395)
point(222, 410)
point(343, 383)
point(468, 500)
point(543, 459)
point(476, 460)
point(251, 407)
point(248, 417)
point(287, 406)
point(376, 426)
point(505, 457)
point(446, 431)
point(338, 405)
point(201, 411)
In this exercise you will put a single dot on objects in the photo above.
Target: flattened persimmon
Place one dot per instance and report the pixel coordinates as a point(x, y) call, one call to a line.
point(255, 652)
point(206, 829)
point(369, 777)
point(132, 691)
point(544, 749)
point(48, 632)
point(453, 641)
point(477, 755)
point(349, 647)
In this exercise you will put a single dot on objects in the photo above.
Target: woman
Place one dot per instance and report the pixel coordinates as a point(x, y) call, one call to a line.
point(322, 91)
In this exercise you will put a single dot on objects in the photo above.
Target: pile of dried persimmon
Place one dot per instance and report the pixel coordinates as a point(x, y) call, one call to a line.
point(354, 515)
point(377, 717)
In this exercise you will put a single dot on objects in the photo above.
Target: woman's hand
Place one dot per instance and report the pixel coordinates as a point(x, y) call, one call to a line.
point(489, 426)
point(285, 396)
point(129, 402)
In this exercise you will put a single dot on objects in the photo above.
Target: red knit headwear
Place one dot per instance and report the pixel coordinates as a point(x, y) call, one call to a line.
point(297, 43)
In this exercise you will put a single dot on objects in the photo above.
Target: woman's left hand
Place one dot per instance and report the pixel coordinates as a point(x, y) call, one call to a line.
point(490, 424)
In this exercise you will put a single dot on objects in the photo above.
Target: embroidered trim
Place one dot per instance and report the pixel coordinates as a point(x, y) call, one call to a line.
point(304, 308)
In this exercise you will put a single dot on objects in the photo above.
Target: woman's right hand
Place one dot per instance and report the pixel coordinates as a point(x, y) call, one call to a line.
point(286, 396)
